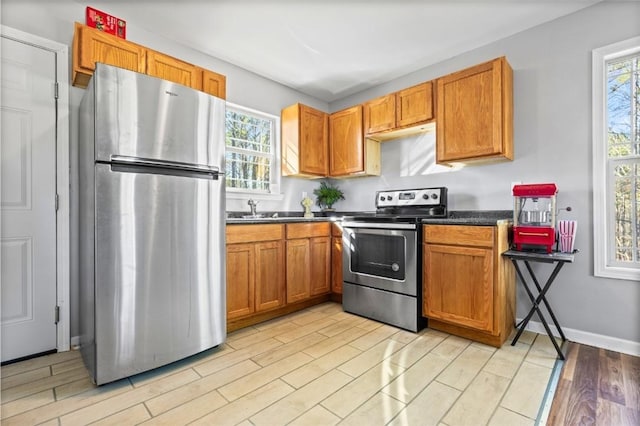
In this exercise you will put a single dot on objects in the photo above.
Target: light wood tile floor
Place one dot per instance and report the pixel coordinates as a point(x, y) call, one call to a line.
point(320, 366)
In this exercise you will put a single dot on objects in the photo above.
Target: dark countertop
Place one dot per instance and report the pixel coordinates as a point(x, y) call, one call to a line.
point(234, 218)
point(456, 217)
point(473, 218)
point(280, 219)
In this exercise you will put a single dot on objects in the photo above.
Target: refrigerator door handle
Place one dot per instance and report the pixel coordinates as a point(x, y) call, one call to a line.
point(134, 164)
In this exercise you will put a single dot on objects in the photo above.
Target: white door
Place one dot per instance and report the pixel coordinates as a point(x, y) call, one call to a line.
point(28, 182)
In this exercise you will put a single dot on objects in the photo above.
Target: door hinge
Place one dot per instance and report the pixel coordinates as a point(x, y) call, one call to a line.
point(57, 202)
point(57, 314)
point(55, 90)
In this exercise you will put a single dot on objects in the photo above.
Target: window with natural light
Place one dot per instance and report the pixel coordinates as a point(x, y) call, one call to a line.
point(616, 139)
point(251, 151)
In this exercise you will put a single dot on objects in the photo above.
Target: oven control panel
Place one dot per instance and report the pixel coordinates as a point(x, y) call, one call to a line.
point(411, 197)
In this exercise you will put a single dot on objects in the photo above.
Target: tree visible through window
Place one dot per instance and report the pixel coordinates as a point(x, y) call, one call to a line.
point(250, 153)
point(623, 162)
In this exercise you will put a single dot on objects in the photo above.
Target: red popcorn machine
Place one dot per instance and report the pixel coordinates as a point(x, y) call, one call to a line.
point(534, 215)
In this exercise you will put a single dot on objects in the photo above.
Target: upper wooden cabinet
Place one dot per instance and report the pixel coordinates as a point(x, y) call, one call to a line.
point(474, 114)
point(336, 259)
point(91, 46)
point(214, 84)
point(172, 69)
point(414, 105)
point(399, 114)
point(379, 114)
point(305, 141)
point(350, 154)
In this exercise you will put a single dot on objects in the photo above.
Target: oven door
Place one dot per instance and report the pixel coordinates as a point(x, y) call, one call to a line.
point(381, 255)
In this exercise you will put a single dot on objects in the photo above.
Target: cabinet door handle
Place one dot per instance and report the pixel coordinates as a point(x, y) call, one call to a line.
point(536, 234)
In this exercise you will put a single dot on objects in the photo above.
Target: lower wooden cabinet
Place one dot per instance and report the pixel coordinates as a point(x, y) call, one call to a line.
point(298, 275)
point(275, 269)
point(255, 270)
point(269, 279)
point(460, 283)
point(241, 272)
point(468, 288)
point(336, 259)
point(308, 260)
point(320, 265)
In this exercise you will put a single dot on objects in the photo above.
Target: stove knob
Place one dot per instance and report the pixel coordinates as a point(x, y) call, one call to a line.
point(382, 198)
point(425, 196)
point(434, 196)
point(389, 198)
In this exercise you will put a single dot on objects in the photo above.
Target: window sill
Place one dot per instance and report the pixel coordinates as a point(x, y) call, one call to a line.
point(618, 273)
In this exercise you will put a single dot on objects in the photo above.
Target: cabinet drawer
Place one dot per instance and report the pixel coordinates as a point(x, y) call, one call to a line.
point(308, 230)
point(253, 233)
point(460, 235)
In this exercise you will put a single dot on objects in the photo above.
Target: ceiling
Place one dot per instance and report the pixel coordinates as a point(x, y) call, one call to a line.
point(330, 49)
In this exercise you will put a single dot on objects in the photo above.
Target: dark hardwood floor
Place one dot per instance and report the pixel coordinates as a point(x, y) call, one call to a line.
point(597, 387)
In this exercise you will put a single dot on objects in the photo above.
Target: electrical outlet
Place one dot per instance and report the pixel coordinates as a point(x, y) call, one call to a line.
point(304, 194)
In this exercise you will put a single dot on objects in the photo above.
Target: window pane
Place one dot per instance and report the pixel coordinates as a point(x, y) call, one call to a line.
point(623, 100)
point(627, 209)
point(250, 149)
point(247, 171)
point(623, 148)
point(246, 132)
point(623, 217)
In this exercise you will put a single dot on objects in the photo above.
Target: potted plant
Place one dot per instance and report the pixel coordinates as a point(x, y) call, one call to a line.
point(327, 195)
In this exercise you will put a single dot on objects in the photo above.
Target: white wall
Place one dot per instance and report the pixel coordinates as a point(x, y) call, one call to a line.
point(552, 131)
point(552, 141)
point(54, 20)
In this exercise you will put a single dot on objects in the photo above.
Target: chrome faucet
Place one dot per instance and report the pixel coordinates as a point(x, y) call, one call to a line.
point(253, 205)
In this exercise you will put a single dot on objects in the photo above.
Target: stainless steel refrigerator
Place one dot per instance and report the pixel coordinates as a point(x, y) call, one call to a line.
point(152, 242)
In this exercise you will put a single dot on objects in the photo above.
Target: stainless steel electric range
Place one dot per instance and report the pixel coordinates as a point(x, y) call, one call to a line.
point(382, 256)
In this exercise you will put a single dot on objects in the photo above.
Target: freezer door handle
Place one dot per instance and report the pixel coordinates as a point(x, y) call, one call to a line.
point(135, 164)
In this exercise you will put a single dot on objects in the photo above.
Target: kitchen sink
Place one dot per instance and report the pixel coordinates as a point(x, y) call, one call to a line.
point(253, 216)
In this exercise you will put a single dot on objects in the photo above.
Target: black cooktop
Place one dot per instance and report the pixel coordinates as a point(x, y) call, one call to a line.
point(400, 215)
point(406, 205)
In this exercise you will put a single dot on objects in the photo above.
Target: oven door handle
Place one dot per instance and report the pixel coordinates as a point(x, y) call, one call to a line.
point(393, 266)
point(379, 225)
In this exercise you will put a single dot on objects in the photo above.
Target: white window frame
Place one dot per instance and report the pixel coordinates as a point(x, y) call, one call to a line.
point(275, 175)
point(602, 217)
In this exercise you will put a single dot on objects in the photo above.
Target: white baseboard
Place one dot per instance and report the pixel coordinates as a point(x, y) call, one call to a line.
point(75, 342)
point(598, 340)
point(584, 337)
